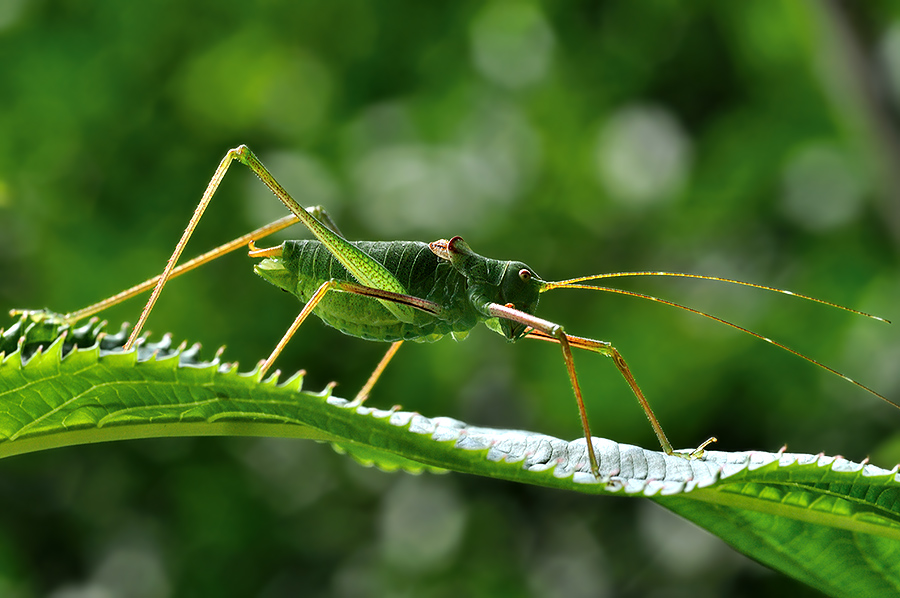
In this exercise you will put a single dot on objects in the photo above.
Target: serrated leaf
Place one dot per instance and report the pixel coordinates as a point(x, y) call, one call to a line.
point(826, 521)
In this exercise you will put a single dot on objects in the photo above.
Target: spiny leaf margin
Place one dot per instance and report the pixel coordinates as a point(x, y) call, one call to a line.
point(225, 401)
point(92, 394)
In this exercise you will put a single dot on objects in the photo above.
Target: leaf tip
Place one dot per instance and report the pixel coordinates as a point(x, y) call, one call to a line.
point(272, 380)
point(295, 382)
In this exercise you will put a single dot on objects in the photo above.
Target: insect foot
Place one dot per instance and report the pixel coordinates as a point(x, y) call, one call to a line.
point(697, 453)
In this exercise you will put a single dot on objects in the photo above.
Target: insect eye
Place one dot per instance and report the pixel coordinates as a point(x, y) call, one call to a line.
point(525, 274)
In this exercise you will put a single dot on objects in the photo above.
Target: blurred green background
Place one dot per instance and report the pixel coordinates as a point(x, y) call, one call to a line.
point(745, 140)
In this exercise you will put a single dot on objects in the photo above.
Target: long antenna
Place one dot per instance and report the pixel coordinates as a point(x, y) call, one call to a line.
point(574, 283)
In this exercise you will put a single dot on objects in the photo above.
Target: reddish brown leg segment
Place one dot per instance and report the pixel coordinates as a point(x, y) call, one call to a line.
point(350, 287)
point(548, 331)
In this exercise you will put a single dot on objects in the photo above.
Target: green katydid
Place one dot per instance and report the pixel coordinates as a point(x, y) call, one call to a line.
point(393, 291)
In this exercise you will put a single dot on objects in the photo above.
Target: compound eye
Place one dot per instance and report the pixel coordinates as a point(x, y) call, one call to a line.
point(525, 274)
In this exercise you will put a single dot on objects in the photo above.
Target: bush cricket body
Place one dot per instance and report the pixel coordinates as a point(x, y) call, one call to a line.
point(394, 291)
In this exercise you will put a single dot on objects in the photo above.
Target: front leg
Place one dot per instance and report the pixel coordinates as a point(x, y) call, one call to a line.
point(546, 330)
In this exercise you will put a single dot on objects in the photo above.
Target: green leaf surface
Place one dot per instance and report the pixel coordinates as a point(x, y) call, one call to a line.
point(823, 520)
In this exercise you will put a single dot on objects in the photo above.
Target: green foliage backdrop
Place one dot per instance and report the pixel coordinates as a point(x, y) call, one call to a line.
point(753, 142)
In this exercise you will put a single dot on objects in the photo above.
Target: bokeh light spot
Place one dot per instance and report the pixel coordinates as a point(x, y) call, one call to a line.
point(643, 156)
point(10, 11)
point(411, 185)
point(821, 189)
point(512, 44)
point(422, 522)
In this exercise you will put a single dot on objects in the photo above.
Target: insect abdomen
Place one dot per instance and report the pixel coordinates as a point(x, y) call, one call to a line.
point(412, 263)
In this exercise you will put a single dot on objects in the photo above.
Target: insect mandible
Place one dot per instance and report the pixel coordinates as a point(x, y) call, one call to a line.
point(394, 291)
